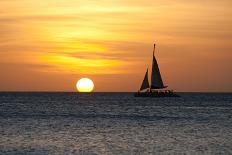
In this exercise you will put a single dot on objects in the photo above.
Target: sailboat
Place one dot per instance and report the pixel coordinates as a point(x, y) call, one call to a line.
point(157, 87)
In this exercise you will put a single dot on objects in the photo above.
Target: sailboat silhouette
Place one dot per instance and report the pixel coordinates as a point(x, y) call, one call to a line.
point(157, 87)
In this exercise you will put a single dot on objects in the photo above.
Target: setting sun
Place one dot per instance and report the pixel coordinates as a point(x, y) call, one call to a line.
point(85, 85)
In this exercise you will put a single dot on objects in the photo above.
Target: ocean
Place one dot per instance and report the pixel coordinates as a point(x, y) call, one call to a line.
point(115, 124)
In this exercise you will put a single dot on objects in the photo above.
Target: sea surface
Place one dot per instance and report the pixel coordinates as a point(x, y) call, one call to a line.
point(115, 123)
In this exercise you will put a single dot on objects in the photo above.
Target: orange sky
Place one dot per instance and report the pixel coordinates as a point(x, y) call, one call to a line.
point(48, 45)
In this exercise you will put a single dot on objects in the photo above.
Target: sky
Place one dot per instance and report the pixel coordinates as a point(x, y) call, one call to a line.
point(48, 45)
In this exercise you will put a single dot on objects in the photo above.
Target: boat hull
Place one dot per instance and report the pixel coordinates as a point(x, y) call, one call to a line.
point(155, 94)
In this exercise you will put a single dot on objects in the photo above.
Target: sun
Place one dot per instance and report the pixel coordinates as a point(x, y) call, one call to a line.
point(85, 85)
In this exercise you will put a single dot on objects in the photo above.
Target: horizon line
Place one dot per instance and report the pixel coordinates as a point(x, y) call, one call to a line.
point(108, 92)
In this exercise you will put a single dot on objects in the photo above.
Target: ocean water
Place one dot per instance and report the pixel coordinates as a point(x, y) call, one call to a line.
point(115, 123)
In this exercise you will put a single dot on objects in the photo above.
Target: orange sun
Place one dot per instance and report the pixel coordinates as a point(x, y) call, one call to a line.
point(85, 85)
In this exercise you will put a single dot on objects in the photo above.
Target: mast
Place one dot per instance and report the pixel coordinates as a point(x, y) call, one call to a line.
point(156, 79)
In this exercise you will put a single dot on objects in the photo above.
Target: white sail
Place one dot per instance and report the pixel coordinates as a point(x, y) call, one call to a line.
point(145, 83)
point(156, 79)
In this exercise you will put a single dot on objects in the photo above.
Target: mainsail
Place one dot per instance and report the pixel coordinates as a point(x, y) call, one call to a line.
point(156, 79)
point(145, 83)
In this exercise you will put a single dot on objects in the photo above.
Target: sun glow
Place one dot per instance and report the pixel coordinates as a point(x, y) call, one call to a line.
point(70, 64)
point(85, 85)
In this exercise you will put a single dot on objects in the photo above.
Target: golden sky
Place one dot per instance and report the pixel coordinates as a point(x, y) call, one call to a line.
point(48, 45)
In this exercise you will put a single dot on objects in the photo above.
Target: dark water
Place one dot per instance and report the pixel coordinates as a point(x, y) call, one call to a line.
point(115, 123)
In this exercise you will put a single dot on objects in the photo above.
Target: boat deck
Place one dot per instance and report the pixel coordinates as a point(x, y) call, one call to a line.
point(166, 93)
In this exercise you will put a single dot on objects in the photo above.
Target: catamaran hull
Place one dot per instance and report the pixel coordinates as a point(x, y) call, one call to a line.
point(155, 95)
